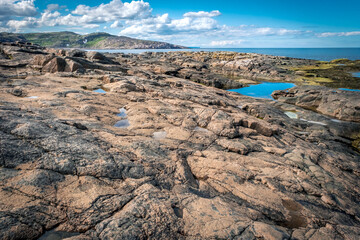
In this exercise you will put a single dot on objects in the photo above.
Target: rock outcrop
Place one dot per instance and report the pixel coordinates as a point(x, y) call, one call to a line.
point(155, 156)
point(343, 105)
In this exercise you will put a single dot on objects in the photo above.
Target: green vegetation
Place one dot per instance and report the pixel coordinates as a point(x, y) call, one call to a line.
point(336, 74)
point(340, 61)
point(73, 40)
point(58, 39)
point(94, 41)
point(320, 65)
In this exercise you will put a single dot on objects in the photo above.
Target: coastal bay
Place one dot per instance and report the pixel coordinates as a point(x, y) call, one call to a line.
point(154, 146)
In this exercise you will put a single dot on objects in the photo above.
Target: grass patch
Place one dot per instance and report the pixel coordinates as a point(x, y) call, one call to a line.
point(95, 41)
point(321, 66)
point(315, 81)
point(340, 61)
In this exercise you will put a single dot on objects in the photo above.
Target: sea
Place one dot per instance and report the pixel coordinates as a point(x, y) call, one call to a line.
point(321, 54)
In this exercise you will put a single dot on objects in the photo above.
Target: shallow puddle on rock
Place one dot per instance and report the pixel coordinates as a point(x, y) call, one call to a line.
point(336, 120)
point(57, 235)
point(296, 219)
point(356, 74)
point(348, 89)
point(200, 129)
point(303, 133)
point(314, 122)
point(99, 90)
point(122, 123)
point(159, 135)
point(291, 115)
point(122, 113)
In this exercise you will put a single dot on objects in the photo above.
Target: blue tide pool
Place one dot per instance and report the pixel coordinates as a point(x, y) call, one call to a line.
point(263, 90)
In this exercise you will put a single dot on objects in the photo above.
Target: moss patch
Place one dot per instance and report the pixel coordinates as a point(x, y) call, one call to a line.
point(356, 144)
point(334, 74)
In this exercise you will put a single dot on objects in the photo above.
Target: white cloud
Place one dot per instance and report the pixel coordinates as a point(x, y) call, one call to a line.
point(10, 9)
point(26, 23)
point(226, 43)
point(203, 14)
point(85, 16)
point(114, 10)
point(339, 34)
point(53, 7)
point(164, 25)
point(116, 24)
point(17, 8)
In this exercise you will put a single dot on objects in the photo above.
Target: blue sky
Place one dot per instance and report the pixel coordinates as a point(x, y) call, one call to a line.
point(256, 23)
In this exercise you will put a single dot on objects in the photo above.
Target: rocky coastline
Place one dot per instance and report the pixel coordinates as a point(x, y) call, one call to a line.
point(152, 146)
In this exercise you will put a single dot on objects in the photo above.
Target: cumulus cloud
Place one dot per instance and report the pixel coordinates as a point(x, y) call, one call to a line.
point(116, 24)
point(10, 9)
point(339, 34)
point(163, 25)
point(17, 8)
point(85, 16)
point(114, 10)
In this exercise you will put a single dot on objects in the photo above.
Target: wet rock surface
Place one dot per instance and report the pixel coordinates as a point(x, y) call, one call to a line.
point(194, 162)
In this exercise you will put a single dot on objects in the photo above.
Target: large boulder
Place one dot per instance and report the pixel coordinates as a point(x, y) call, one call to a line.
point(73, 66)
point(99, 57)
point(42, 60)
point(76, 53)
point(57, 64)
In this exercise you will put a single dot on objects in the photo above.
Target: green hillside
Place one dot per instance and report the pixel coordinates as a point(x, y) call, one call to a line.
point(90, 41)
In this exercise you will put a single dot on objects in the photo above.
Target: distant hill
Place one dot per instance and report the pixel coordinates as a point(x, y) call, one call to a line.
point(90, 41)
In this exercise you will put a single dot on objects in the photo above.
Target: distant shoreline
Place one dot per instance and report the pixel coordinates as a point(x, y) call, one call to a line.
point(320, 54)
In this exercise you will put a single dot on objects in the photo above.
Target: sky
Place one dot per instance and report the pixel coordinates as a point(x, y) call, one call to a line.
point(204, 23)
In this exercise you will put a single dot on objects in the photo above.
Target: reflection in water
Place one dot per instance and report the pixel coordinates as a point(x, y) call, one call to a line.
point(99, 91)
point(356, 74)
point(336, 120)
point(314, 122)
point(291, 115)
point(200, 129)
point(263, 90)
point(122, 124)
point(122, 113)
point(159, 135)
point(352, 90)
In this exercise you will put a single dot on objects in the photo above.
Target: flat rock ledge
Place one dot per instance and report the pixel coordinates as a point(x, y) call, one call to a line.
point(340, 104)
point(156, 156)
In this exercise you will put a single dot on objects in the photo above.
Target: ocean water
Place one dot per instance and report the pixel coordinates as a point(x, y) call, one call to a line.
point(263, 90)
point(322, 54)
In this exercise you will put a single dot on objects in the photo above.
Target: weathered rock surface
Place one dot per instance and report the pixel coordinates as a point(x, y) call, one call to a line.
point(343, 105)
point(225, 167)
